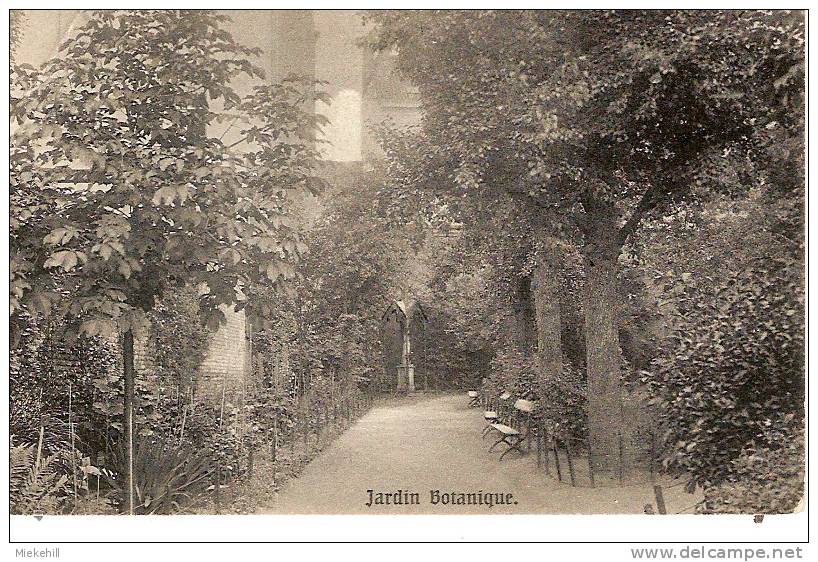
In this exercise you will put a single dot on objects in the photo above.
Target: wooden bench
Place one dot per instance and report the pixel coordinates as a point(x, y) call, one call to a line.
point(474, 398)
point(495, 416)
point(513, 437)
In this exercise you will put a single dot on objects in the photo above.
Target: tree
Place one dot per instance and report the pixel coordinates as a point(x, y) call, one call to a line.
point(349, 277)
point(118, 192)
point(604, 118)
point(498, 235)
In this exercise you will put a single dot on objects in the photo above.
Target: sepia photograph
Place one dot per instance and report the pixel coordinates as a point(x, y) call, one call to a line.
point(452, 262)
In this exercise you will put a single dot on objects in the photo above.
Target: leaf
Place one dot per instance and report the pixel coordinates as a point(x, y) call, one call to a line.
point(273, 272)
point(124, 269)
point(66, 259)
point(105, 251)
point(170, 193)
point(164, 195)
point(230, 255)
point(60, 236)
point(42, 301)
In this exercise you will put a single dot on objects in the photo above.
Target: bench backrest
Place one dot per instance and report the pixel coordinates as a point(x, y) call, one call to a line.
point(472, 393)
point(522, 414)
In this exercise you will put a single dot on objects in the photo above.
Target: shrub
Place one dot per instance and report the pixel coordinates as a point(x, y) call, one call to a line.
point(514, 372)
point(766, 479)
point(35, 485)
point(733, 371)
point(178, 336)
point(42, 367)
point(166, 476)
point(563, 402)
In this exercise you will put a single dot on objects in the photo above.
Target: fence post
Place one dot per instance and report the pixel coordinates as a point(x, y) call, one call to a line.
point(556, 458)
point(570, 462)
point(217, 490)
point(621, 459)
point(591, 466)
point(306, 428)
point(652, 456)
point(660, 499)
point(250, 455)
point(274, 447)
point(324, 421)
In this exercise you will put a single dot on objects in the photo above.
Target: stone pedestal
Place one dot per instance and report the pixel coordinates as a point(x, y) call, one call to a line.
point(406, 378)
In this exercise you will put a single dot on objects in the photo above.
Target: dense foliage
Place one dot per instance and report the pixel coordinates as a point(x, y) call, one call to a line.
point(178, 339)
point(729, 380)
point(617, 132)
point(124, 190)
point(601, 211)
point(117, 190)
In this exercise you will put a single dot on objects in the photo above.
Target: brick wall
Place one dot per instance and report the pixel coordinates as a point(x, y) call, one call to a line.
point(143, 350)
point(227, 362)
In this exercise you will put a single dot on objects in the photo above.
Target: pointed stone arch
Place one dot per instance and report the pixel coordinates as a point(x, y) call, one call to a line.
point(404, 324)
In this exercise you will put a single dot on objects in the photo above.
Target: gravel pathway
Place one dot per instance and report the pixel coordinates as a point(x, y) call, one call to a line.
point(414, 446)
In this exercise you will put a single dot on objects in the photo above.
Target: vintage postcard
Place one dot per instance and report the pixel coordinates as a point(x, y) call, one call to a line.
point(454, 262)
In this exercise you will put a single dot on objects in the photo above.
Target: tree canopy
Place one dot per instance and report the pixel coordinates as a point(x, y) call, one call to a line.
point(119, 192)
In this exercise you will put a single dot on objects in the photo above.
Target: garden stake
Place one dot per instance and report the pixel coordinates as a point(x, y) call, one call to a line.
point(71, 433)
point(326, 419)
point(128, 375)
point(184, 417)
point(570, 462)
point(544, 444)
point(275, 436)
point(557, 459)
point(306, 429)
point(539, 449)
point(217, 488)
point(293, 435)
point(660, 499)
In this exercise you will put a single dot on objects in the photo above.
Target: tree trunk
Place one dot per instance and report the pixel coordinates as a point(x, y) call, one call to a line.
point(128, 374)
point(603, 355)
point(520, 318)
point(549, 327)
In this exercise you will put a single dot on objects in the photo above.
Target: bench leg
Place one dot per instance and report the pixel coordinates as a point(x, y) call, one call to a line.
point(503, 438)
point(515, 446)
point(486, 430)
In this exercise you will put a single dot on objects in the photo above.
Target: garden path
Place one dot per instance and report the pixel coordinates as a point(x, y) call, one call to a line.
point(433, 442)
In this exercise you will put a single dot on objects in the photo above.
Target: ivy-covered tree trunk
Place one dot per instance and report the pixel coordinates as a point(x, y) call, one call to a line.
point(521, 320)
point(548, 318)
point(602, 343)
point(128, 376)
